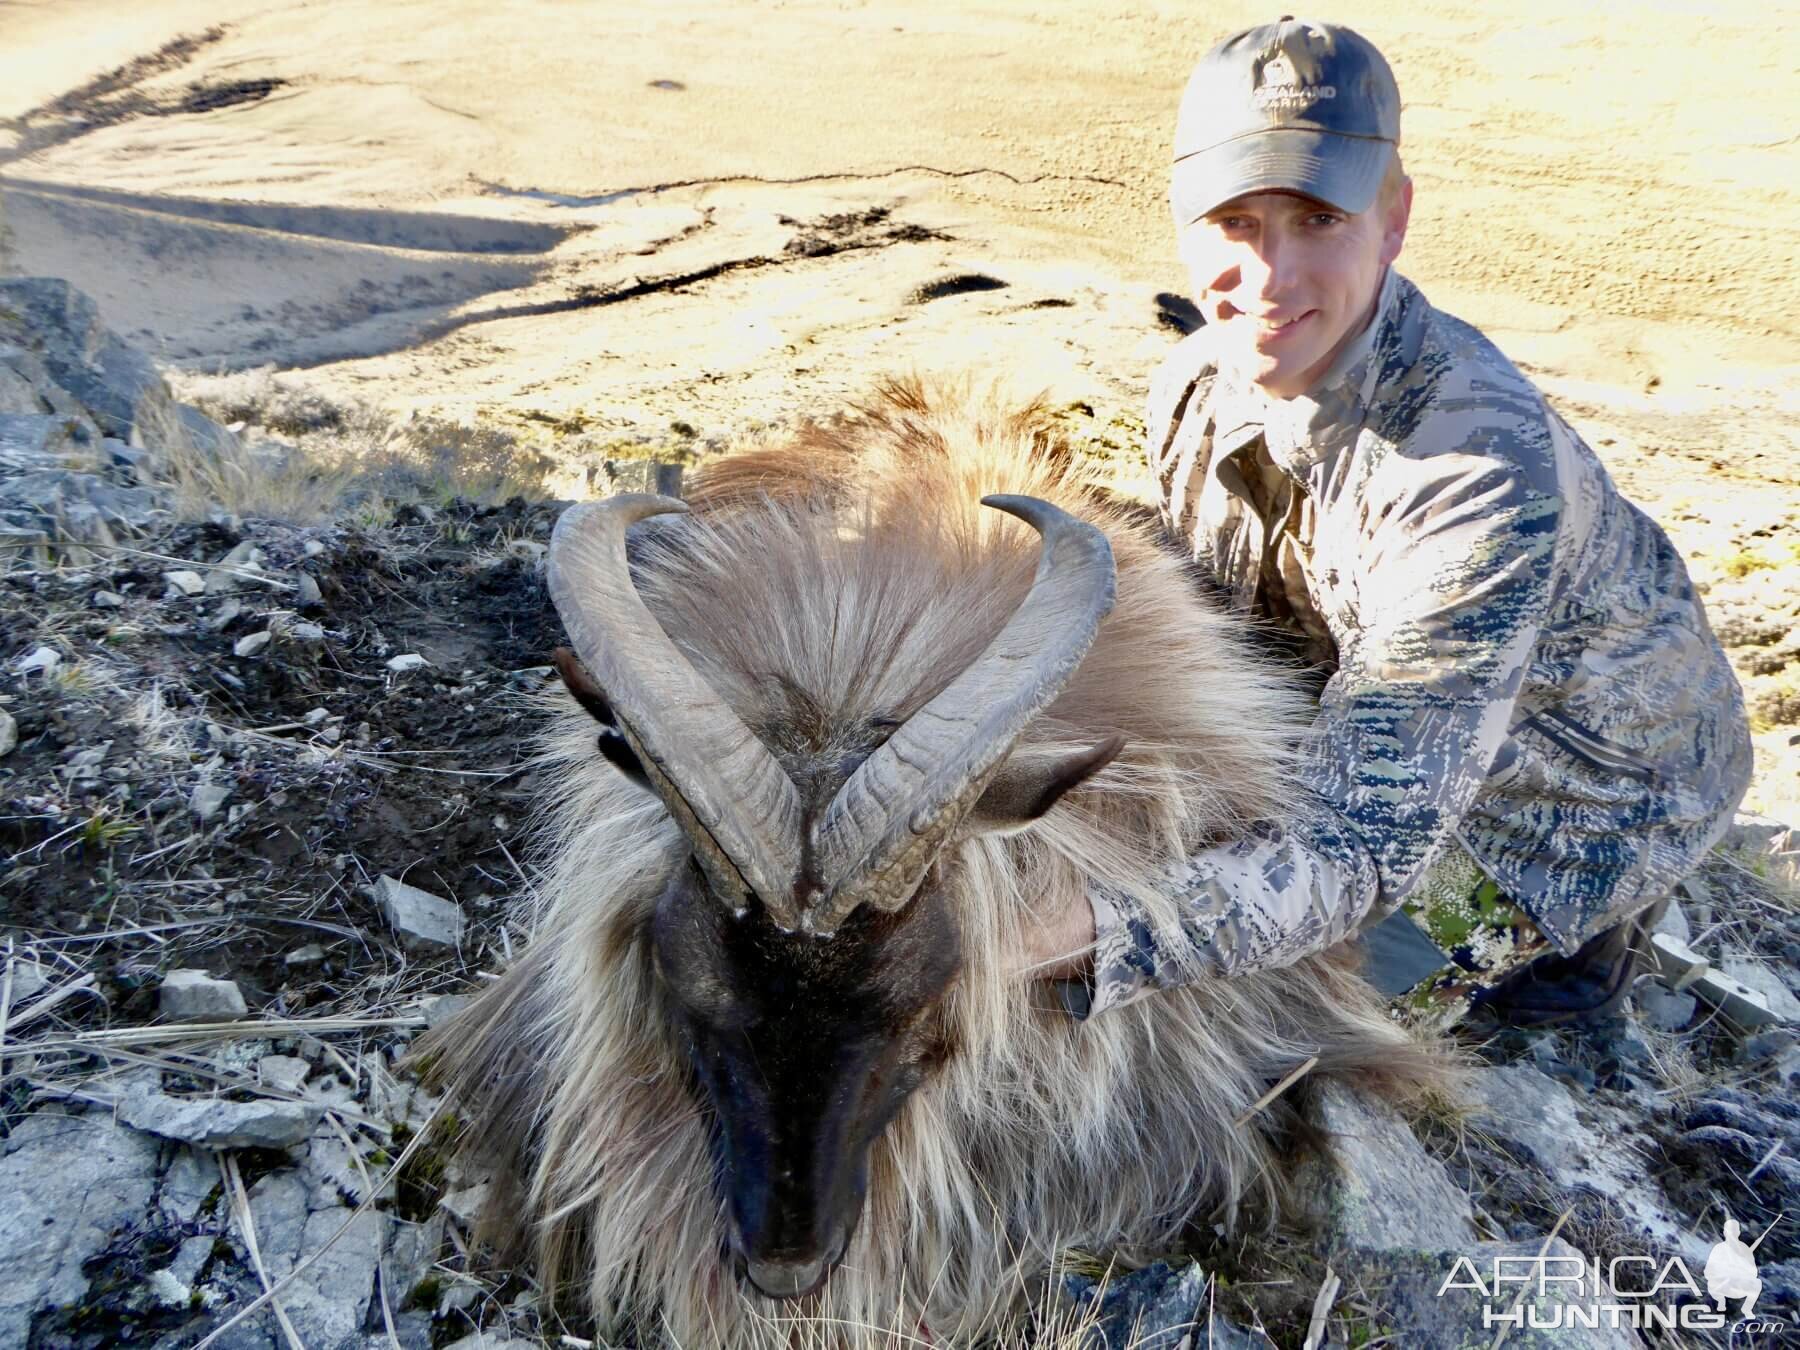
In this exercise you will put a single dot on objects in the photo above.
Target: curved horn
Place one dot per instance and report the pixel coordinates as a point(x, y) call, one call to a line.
point(720, 782)
point(886, 824)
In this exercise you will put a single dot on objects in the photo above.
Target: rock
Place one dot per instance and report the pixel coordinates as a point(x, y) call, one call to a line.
point(1682, 967)
point(1159, 1307)
point(1385, 1190)
point(490, 1340)
point(183, 582)
point(114, 381)
point(306, 591)
point(411, 1329)
point(206, 800)
point(70, 1184)
point(419, 919)
point(309, 955)
point(29, 979)
point(408, 661)
point(191, 1178)
point(210, 1123)
point(40, 660)
point(1758, 834)
point(1663, 1008)
point(284, 1073)
point(252, 644)
point(637, 475)
point(24, 542)
point(1432, 1299)
point(1756, 975)
point(107, 600)
point(1674, 922)
point(329, 1300)
point(442, 1007)
point(411, 1255)
point(466, 1203)
point(195, 996)
point(9, 733)
point(230, 571)
point(1522, 1108)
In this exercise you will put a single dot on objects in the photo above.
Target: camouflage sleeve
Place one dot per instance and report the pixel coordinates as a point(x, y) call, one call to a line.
point(1455, 579)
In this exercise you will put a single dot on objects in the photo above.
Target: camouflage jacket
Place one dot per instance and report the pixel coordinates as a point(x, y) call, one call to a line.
point(1522, 664)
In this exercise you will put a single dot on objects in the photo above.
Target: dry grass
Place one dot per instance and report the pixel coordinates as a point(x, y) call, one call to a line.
point(303, 457)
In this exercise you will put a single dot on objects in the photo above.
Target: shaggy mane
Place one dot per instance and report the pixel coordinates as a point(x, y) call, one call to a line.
point(827, 585)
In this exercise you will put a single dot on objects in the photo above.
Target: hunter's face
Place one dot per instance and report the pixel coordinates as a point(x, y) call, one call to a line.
point(1289, 280)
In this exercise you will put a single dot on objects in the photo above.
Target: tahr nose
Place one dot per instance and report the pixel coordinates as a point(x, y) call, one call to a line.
point(787, 1279)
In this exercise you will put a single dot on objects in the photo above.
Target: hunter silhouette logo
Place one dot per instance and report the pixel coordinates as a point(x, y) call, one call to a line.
point(1731, 1270)
point(1547, 1291)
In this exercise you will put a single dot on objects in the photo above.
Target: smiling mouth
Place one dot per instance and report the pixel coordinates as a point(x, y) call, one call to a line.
point(1274, 329)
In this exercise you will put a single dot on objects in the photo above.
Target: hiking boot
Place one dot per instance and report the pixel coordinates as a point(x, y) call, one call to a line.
point(1586, 987)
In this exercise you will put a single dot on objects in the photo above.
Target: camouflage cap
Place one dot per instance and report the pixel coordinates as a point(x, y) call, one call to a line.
point(1309, 107)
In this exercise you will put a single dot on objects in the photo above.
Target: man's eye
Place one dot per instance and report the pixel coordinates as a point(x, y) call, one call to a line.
point(1323, 219)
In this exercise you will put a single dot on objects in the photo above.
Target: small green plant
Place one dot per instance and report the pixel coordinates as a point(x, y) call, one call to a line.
point(103, 830)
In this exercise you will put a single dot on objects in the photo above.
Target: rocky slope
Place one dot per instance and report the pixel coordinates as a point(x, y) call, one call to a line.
point(264, 791)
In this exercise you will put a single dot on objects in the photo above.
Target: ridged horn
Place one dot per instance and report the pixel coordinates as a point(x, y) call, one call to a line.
point(873, 844)
point(729, 794)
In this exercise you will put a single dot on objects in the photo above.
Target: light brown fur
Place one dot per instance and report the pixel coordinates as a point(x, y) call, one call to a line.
point(847, 574)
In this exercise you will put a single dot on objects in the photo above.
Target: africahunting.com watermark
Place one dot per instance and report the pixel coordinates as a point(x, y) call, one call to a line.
point(1545, 1292)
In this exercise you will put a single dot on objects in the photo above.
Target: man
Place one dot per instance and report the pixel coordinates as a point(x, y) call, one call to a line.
point(1529, 733)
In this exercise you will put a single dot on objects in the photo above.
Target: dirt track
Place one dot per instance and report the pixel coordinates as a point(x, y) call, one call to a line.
point(583, 218)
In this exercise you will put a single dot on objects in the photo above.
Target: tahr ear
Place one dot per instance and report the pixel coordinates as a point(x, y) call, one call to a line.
point(616, 749)
point(1029, 785)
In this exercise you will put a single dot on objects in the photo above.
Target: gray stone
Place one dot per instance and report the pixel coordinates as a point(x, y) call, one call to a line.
point(114, 381)
point(29, 979)
point(1757, 975)
point(1386, 1190)
point(491, 1340)
point(1159, 1307)
point(195, 996)
point(405, 662)
point(107, 600)
point(9, 733)
point(307, 592)
point(17, 397)
point(1684, 968)
point(1662, 1007)
point(252, 644)
point(184, 581)
point(411, 1255)
point(228, 573)
point(1758, 834)
point(191, 1258)
point(1523, 1108)
point(70, 1184)
point(309, 955)
point(208, 1123)
point(329, 1300)
point(207, 799)
point(40, 660)
point(284, 1073)
point(638, 475)
point(24, 542)
point(419, 919)
point(191, 1178)
point(466, 1203)
point(37, 441)
point(1404, 1289)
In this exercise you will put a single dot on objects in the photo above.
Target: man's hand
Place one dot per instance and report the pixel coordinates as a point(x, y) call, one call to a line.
point(1058, 945)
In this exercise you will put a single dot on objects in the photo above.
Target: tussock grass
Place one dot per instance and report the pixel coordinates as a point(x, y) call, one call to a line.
point(303, 456)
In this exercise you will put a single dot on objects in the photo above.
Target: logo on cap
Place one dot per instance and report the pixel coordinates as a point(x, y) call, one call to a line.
point(1279, 83)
